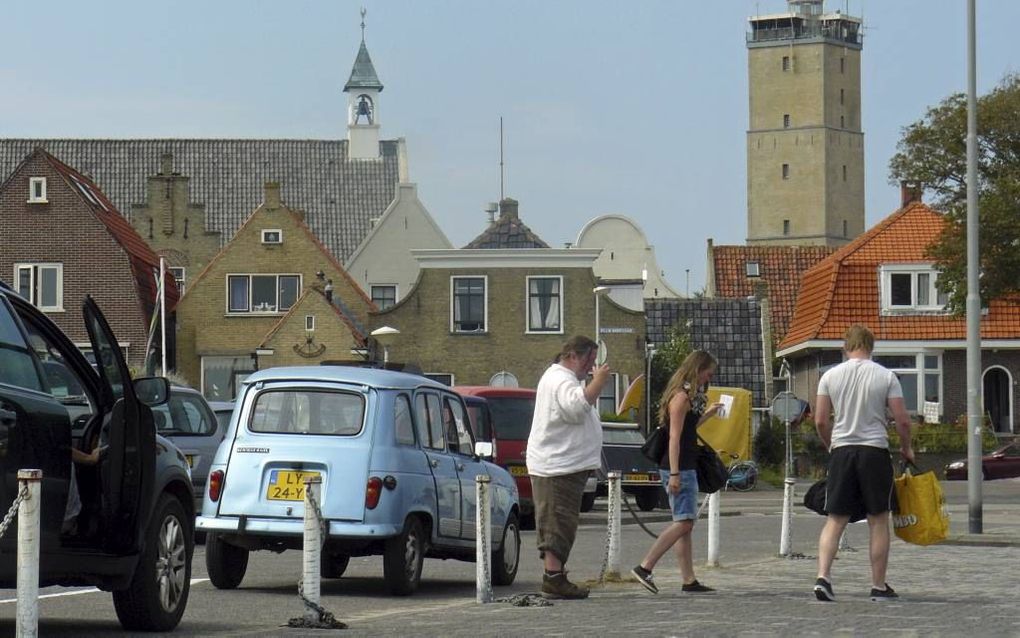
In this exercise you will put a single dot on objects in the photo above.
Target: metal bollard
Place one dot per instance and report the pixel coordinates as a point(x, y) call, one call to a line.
point(713, 529)
point(311, 579)
point(27, 624)
point(483, 546)
point(615, 498)
point(785, 539)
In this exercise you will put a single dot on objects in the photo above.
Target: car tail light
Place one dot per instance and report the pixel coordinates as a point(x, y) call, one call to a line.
point(215, 485)
point(372, 492)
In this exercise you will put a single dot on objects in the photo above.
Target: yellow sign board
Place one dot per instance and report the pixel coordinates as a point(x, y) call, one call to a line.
point(730, 433)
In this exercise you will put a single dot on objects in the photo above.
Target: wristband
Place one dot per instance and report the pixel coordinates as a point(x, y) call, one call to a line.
point(674, 473)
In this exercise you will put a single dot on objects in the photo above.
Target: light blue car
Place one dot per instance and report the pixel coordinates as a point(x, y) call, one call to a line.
point(397, 462)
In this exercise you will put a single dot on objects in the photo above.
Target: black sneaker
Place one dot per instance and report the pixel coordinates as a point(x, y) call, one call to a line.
point(696, 588)
point(823, 591)
point(645, 578)
point(882, 595)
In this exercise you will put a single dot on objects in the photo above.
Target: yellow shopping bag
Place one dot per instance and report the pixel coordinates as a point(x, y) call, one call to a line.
point(921, 517)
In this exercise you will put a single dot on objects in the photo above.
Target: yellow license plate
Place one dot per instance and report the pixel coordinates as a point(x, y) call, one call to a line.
point(287, 485)
point(518, 470)
point(640, 478)
point(191, 459)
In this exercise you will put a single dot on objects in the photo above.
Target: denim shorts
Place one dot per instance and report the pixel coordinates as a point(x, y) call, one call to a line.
point(685, 504)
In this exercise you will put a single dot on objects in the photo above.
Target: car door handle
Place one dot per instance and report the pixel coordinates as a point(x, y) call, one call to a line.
point(434, 462)
point(460, 467)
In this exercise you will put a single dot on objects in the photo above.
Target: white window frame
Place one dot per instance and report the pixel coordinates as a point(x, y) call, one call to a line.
point(433, 375)
point(886, 272)
point(32, 182)
point(396, 293)
point(310, 323)
point(181, 280)
point(485, 304)
point(614, 385)
point(752, 268)
point(250, 311)
point(34, 296)
point(527, 306)
point(919, 371)
point(267, 231)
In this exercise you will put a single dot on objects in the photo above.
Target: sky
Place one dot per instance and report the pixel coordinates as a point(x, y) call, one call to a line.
point(636, 108)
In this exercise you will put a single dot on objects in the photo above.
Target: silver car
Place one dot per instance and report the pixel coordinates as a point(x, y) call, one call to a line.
point(397, 462)
point(187, 420)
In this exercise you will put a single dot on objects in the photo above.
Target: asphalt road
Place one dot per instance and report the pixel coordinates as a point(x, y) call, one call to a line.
point(267, 598)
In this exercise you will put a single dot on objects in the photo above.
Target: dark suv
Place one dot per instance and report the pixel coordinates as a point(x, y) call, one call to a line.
point(123, 521)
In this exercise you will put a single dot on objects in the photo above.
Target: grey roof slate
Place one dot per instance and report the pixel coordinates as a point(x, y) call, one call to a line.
point(338, 197)
point(507, 232)
point(728, 328)
point(363, 73)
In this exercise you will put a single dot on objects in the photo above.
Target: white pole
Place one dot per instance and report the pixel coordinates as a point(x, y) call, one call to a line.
point(613, 557)
point(312, 554)
point(786, 540)
point(713, 529)
point(27, 624)
point(598, 337)
point(483, 545)
point(162, 312)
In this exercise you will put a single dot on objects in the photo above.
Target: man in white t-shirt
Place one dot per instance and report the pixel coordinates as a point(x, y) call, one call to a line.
point(564, 446)
point(860, 472)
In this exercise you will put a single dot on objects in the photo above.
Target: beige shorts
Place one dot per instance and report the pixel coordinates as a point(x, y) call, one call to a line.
point(558, 511)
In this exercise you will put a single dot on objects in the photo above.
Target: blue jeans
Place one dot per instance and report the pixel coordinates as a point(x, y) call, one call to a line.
point(684, 504)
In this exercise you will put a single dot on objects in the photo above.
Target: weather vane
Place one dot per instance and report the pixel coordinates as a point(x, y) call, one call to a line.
point(363, 12)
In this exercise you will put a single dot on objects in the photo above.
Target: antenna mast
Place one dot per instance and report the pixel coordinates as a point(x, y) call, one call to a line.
point(501, 158)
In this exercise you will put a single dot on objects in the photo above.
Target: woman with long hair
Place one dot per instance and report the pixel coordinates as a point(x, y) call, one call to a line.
point(684, 407)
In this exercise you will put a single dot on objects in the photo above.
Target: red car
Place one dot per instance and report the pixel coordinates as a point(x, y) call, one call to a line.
point(505, 419)
point(1001, 463)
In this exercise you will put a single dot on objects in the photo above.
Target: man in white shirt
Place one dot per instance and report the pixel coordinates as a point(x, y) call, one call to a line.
point(564, 446)
point(860, 472)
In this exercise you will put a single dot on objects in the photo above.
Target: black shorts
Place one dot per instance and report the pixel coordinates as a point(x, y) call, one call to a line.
point(860, 481)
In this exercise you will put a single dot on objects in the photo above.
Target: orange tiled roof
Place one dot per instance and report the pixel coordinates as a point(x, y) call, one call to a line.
point(844, 288)
point(780, 268)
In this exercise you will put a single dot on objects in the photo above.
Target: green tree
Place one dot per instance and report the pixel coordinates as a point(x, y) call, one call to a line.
point(933, 151)
point(667, 359)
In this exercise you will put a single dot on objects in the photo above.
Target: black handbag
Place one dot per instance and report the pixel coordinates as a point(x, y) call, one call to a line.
point(655, 445)
point(814, 500)
point(712, 474)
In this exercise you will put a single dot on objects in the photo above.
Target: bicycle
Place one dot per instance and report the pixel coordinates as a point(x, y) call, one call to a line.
point(742, 475)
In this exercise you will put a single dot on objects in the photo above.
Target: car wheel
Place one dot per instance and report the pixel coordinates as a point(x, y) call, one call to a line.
point(158, 593)
point(508, 557)
point(647, 500)
point(588, 501)
point(402, 558)
point(225, 563)
point(334, 565)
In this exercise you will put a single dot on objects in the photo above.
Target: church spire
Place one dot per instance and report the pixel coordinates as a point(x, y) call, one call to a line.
point(363, 74)
point(362, 89)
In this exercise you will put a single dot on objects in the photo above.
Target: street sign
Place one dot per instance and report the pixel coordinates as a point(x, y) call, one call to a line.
point(786, 406)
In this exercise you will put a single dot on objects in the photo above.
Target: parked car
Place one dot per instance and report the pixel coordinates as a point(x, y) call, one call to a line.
point(188, 420)
point(223, 411)
point(403, 437)
point(132, 535)
point(998, 464)
point(621, 452)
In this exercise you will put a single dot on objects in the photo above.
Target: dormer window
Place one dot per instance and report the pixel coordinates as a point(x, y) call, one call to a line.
point(911, 288)
point(753, 269)
point(272, 236)
point(37, 190)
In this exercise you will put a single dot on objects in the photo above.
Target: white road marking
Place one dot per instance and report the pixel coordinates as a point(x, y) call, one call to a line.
point(77, 592)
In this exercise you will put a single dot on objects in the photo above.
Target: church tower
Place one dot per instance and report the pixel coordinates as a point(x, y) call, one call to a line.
point(805, 147)
point(363, 89)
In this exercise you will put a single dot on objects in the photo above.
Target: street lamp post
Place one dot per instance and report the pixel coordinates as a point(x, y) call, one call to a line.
point(598, 291)
point(379, 333)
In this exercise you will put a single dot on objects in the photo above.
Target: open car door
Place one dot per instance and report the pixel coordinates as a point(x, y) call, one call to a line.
point(128, 466)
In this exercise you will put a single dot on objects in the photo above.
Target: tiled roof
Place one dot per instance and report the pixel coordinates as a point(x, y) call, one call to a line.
point(357, 331)
point(779, 268)
point(363, 74)
point(339, 197)
point(507, 231)
point(844, 288)
point(144, 262)
point(728, 328)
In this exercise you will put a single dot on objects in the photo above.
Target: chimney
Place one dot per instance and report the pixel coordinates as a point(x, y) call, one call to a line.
point(910, 192)
point(166, 163)
point(272, 199)
point(508, 208)
point(491, 211)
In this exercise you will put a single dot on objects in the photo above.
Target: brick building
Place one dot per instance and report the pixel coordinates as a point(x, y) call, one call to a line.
point(63, 239)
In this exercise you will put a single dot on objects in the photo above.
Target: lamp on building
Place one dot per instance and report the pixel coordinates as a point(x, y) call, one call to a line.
point(598, 291)
point(382, 335)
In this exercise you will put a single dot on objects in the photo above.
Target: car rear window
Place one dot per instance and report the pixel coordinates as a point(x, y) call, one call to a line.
point(511, 417)
point(308, 412)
